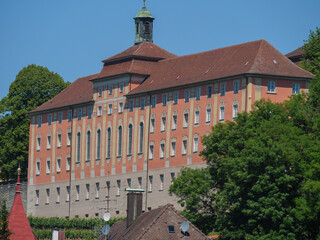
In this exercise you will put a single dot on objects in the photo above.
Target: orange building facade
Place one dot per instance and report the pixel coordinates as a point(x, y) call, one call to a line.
point(138, 121)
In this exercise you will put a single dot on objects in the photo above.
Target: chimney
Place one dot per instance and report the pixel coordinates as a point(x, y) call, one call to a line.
point(134, 206)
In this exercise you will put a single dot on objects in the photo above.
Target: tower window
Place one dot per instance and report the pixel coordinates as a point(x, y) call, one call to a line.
point(137, 28)
point(147, 27)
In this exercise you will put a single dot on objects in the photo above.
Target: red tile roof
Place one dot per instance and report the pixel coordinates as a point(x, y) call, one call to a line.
point(80, 91)
point(18, 221)
point(258, 57)
point(153, 225)
point(166, 70)
point(148, 50)
point(296, 53)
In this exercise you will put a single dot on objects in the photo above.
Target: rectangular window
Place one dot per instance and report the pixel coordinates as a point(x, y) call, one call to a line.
point(198, 93)
point(118, 187)
point(152, 125)
point(37, 168)
point(37, 198)
point(59, 140)
point(58, 195)
point(48, 196)
point(48, 167)
point(68, 139)
point(185, 120)
point(164, 99)
point(174, 122)
point(196, 118)
point(109, 109)
point(99, 111)
point(235, 86)
point(151, 150)
point(48, 142)
point(79, 114)
point(69, 115)
point(221, 115)
point(208, 116)
point(222, 89)
point(175, 97)
point(161, 182)
point(271, 86)
point(186, 95)
point(140, 182)
point(68, 164)
point(142, 103)
point(100, 92)
point(108, 189)
point(162, 149)
point(39, 121)
point(163, 124)
point(173, 176)
point(110, 90)
point(60, 117)
point(150, 183)
point(121, 107)
point(77, 192)
point(89, 112)
point(296, 88)
point(97, 189)
point(38, 143)
point(58, 165)
point(49, 119)
point(68, 194)
point(235, 111)
point(173, 149)
point(131, 105)
point(129, 182)
point(209, 91)
point(184, 147)
point(121, 88)
point(195, 144)
point(153, 101)
point(87, 191)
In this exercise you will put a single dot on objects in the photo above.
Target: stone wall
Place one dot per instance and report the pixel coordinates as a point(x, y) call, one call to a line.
point(8, 191)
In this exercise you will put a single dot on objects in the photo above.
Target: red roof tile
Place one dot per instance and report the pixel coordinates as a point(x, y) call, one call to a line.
point(80, 91)
point(153, 225)
point(296, 53)
point(18, 221)
point(258, 57)
point(149, 50)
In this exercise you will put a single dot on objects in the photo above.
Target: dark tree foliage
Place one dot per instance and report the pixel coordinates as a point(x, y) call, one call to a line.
point(33, 86)
point(4, 231)
point(311, 50)
point(195, 190)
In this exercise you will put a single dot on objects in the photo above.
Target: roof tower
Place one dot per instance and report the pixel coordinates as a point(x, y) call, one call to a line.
point(144, 26)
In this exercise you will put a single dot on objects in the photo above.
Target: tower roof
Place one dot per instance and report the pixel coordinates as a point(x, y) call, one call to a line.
point(144, 13)
point(18, 221)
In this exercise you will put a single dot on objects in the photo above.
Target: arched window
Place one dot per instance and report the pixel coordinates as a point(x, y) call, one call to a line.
point(130, 134)
point(119, 141)
point(235, 108)
point(174, 119)
point(109, 142)
point(163, 121)
point(141, 137)
point(88, 145)
point(98, 144)
point(78, 146)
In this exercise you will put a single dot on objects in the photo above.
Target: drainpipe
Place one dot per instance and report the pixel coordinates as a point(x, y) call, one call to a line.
point(147, 152)
point(246, 102)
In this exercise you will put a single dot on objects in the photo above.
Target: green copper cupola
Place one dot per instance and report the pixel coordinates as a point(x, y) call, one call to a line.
point(144, 26)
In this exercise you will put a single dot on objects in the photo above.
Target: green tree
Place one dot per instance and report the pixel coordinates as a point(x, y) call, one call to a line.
point(311, 50)
point(4, 231)
point(195, 190)
point(33, 86)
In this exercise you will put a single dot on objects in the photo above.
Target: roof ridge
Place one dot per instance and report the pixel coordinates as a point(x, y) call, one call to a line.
point(213, 50)
point(139, 46)
point(255, 58)
point(156, 218)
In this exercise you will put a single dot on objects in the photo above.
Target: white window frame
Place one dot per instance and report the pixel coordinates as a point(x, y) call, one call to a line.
point(187, 95)
point(110, 88)
point(97, 190)
point(48, 166)
point(271, 86)
point(185, 120)
point(87, 191)
point(163, 123)
point(208, 115)
point(121, 88)
point(198, 93)
point(110, 106)
point(150, 183)
point(59, 165)
point(99, 112)
point(221, 113)
point(174, 121)
point(236, 84)
point(175, 97)
point(162, 150)
point(118, 187)
point(223, 87)
point(77, 192)
point(49, 119)
point(152, 124)
point(161, 182)
point(153, 101)
point(235, 109)
point(296, 87)
point(120, 107)
point(173, 148)
point(195, 144)
point(196, 117)
point(151, 151)
point(58, 195)
point(184, 147)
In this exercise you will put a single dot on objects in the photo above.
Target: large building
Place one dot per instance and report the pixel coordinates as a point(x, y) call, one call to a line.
point(139, 120)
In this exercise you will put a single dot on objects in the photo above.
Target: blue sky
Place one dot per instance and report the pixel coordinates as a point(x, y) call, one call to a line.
point(71, 37)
